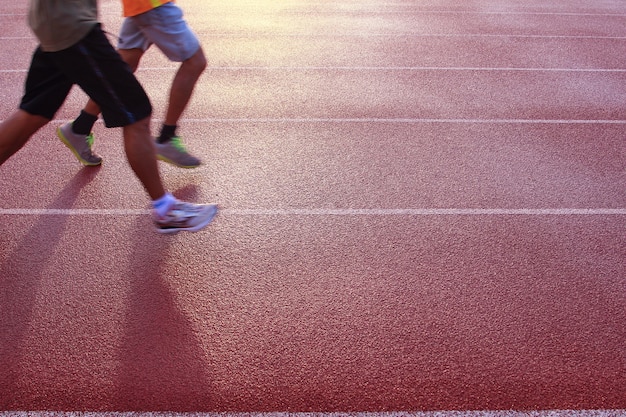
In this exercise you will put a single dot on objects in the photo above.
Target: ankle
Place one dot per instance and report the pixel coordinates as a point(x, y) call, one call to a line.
point(84, 123)
point(162, 205)
point(167, 133)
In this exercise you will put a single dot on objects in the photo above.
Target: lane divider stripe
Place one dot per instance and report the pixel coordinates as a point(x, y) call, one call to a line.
point(391, 120)
point(337, 212)
point(373, 68)
point(404, 120)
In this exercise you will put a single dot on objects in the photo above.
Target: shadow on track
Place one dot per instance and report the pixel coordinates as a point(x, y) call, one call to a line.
point(20, 277)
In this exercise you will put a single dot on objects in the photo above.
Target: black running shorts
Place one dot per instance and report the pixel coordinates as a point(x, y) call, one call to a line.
point(95, 66)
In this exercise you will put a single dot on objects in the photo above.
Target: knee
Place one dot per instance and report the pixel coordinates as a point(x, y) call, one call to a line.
point(139, 130)
point(197, 63)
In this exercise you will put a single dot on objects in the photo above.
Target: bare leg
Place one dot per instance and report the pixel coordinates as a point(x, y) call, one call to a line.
point(141, 156)
point(182, 86)
point(131, 57)
point(92, 108)
point(16, 131)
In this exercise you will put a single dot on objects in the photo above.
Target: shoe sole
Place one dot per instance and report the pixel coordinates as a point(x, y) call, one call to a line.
point(195, 228)
point(169, 161)
point(67, 143)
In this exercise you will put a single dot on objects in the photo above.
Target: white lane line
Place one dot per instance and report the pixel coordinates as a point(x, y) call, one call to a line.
point(280, 120)
point(416, 35)
point(267, 34)
point(425, 212)
point(401, 120)
point(258, 34)
point(73, 212)
point(395, 68)
point(337, 212)
point(417, 12)
point(493, 12)
point(499, 413)
point(375, 68)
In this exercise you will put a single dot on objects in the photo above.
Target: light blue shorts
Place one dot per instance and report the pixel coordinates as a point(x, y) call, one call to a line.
point(164, 27)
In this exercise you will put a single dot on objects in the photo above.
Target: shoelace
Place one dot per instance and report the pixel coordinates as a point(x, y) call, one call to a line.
point(90, 139)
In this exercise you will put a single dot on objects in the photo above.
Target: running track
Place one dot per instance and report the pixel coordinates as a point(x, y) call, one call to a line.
point(423, 209)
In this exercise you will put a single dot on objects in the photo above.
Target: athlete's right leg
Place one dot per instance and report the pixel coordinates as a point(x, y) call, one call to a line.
point(16, 130)
point(45, 91)
point(166, 28)
point(141, 156)
point(183, 85)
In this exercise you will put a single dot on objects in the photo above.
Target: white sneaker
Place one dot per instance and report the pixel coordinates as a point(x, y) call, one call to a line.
point(185, 216)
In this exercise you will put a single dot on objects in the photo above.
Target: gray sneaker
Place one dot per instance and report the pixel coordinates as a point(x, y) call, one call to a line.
point(185, 217)
point(80, 145)
point(174, 152)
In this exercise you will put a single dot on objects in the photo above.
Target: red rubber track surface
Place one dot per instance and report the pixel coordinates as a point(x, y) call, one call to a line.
point(335, 135)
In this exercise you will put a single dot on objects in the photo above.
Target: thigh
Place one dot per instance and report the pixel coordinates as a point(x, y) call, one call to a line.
point(166, 28)
point(131, 36)
point(46, 87)
point(99, 70)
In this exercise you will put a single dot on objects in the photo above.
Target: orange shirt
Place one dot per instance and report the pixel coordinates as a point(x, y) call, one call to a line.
point(135, 7)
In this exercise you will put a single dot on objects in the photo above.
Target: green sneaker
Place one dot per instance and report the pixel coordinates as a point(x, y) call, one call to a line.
point(174, 152)
point(80, 145)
